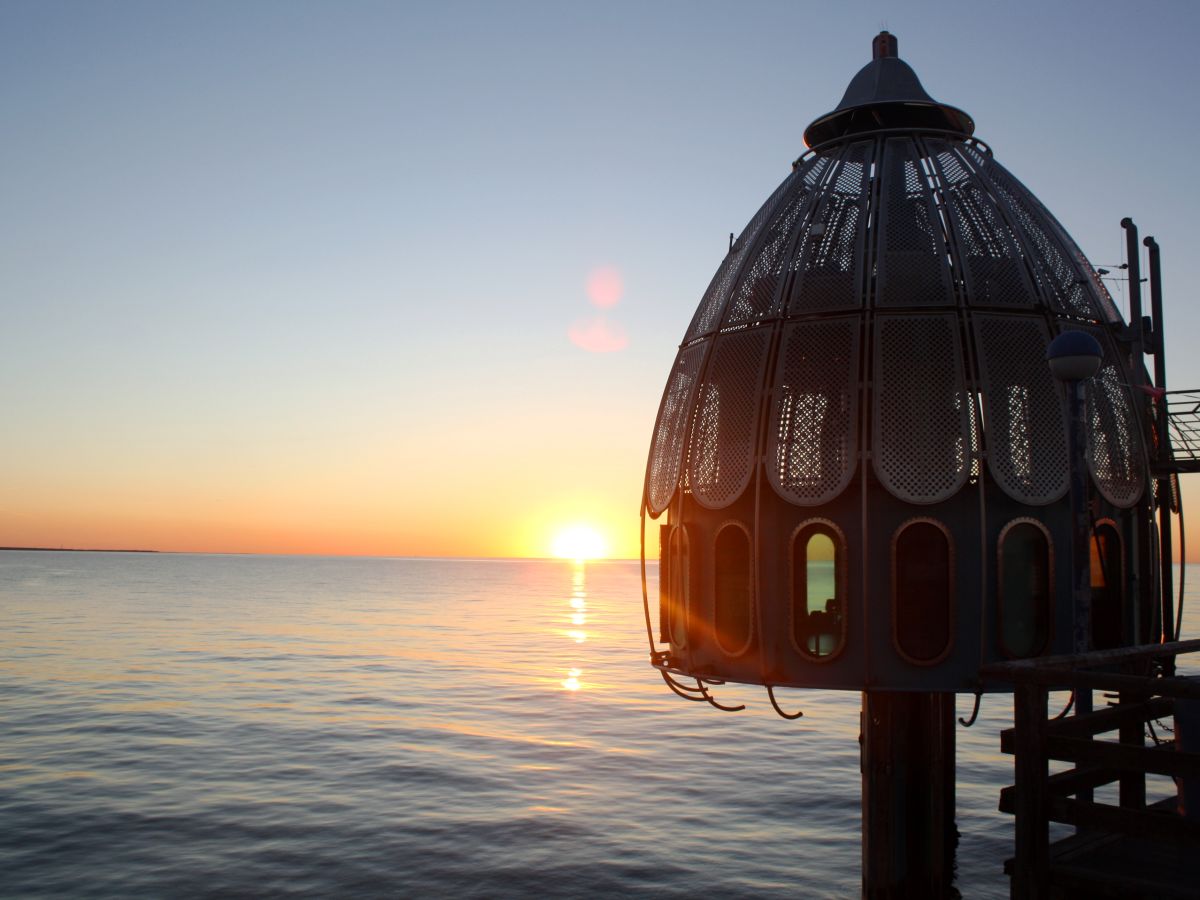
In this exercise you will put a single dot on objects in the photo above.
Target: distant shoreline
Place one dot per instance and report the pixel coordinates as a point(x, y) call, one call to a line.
point(613, 559)
point(78, 550)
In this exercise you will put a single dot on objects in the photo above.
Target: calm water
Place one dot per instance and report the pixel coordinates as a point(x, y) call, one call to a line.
point(239, 725)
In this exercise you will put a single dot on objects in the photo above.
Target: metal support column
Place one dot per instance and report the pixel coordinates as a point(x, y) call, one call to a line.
point(1166, 553)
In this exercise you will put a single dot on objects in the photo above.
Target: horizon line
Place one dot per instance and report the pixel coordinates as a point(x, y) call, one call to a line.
point(322, 555)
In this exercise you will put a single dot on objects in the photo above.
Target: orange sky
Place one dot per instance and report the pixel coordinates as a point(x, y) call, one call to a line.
point(483, 483)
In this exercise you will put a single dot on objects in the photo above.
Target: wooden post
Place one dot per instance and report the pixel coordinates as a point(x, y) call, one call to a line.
point(908, 794)
point(1031, 867)
point(1133, 783)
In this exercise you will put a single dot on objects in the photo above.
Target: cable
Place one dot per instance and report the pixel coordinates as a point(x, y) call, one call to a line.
point(1182, 564)
point(1066, 709)
point(645, 595)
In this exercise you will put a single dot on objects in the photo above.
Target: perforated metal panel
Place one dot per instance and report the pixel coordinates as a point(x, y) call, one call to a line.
point(712, 307)
point(1053, 267)
point(670, 429)
point(921, 418)
point(912, 254)
point(974, 155)
point(756, 296)
point(812, 438)
point(1088, 289)
point(989, 252)
point(721, 454)
point(1115, 455)
point(1025, 411)
point(828, 257)
point(1100, 291)
point(808, 245)
point(708, 313)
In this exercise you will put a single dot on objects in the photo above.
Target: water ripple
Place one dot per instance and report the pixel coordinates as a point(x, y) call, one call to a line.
point(194, 726)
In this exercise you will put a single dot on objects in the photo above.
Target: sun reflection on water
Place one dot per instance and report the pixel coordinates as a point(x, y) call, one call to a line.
point(577, 618)
point(571, 682)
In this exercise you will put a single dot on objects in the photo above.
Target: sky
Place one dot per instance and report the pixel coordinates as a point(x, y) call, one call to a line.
point(407, 279)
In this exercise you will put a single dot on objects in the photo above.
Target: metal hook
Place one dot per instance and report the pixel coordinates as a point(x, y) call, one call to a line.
point(967, 723)
point(704, 696)
point(771, 694)
point(698, 689)
point(681, 689)
point(1066, 709)
point(737, 708)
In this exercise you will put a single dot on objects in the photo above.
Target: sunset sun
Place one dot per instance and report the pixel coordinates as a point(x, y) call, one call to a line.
point(579, 542)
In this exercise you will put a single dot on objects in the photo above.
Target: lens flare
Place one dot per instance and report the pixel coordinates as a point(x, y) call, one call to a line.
point(598, 335)
point(604, 287)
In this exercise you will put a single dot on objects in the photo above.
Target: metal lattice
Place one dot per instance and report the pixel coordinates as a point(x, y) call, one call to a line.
point(1053, 266)
point(922, 429)
point(708, 315)
point(666, 451)
point(1026, 416)
point(755, 297)
point(812, 441)
point(721, 455)
point(1114, 454)
point(912, 269)
point(900, 228)
point(1086, 291)
point(826, 262)
point(989, 251)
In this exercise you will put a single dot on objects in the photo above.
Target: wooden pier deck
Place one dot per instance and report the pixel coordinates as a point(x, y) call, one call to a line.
point(1132, 848)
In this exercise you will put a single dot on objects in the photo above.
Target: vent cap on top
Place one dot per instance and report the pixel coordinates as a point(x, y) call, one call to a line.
point(885, 94)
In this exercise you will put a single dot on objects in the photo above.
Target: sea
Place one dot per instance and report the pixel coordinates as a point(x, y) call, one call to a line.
point(178, 725)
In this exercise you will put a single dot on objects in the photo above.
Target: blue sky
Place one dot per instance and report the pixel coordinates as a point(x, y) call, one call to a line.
point(281, 262)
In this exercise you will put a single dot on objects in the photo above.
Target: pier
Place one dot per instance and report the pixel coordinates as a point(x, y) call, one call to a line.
point(1140, 846)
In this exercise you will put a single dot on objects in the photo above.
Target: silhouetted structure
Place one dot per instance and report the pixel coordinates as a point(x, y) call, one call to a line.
point(862, 455)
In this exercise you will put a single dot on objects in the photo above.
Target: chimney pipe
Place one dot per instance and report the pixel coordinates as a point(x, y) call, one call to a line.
point(1133, 259)
point(884, 46)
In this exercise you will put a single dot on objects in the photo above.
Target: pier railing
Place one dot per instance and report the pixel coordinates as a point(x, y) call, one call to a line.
point(1183, 423)
point(1133, 848)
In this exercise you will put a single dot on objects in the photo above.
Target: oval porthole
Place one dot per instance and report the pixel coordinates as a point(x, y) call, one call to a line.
point(678, 586)
point(732, 595)
point(1026, 589)
point(665, 531)
point(922, 591)
point(1108, 586)
point(818, 590)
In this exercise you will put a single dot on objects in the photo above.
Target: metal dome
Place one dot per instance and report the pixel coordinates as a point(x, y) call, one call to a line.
point(868, 365)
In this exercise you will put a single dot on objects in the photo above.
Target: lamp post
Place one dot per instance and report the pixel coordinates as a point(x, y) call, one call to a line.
point(1074, 356)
